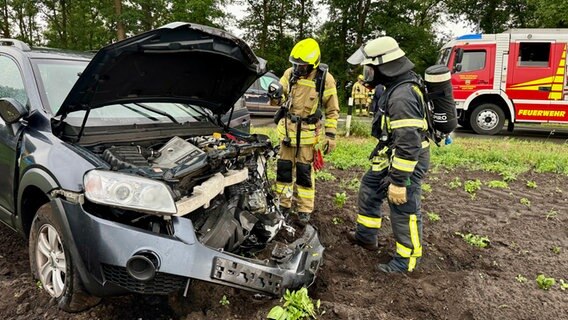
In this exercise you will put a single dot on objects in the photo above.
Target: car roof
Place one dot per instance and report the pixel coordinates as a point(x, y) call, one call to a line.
point(49, 53)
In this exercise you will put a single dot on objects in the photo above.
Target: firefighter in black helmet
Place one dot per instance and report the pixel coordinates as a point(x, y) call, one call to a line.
point(401, 157)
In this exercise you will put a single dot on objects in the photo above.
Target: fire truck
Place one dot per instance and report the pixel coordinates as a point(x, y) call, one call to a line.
point(515, 76)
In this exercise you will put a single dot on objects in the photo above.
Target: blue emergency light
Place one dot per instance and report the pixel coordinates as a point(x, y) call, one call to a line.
point(469, 36)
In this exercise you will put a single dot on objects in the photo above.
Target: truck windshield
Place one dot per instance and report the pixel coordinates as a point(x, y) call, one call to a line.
point(444, 57)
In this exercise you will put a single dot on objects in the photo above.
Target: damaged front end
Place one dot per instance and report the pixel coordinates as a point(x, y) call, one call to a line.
point(191, 208)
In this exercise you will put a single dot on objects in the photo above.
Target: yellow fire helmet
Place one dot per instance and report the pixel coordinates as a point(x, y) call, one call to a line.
point(306, 51)
point(360, 77)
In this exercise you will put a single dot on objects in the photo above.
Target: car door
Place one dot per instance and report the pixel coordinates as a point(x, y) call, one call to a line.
point(11, 86)
point(475, 71)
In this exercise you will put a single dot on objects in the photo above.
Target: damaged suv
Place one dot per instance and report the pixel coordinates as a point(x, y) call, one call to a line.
point(120, 171)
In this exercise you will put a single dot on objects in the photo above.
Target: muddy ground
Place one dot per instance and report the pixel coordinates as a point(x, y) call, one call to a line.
point(453, 281)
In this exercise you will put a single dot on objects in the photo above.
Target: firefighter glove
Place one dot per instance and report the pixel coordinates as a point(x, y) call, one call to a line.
point(397, 194)
point(329, 146)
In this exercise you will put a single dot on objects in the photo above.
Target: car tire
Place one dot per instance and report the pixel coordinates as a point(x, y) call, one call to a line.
point(487, 118)
point(52, 265)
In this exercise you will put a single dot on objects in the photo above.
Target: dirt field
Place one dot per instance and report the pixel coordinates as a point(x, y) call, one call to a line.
point(453, 281)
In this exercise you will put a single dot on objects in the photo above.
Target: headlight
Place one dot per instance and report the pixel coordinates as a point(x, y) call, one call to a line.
point(128, 191)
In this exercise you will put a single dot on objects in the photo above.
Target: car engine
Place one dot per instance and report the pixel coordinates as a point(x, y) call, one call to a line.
point(219, 182)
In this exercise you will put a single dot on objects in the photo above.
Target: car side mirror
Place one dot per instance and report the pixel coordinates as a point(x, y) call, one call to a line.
point(458, 68)
point(459, 56)
point(11, 110)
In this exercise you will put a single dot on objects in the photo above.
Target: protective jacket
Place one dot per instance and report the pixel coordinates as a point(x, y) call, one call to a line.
point(305, 99)
point(402, 158)
point(359, 93)
point(400, 125)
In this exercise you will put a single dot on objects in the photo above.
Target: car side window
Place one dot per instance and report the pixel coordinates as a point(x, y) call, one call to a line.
point(265, 81)
point(473, 60)
point(11, 82)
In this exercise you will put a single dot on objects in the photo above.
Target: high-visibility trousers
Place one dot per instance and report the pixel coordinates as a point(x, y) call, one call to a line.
point(295, 178)
point(406, 219)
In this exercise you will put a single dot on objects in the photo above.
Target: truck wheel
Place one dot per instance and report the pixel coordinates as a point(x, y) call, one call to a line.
point(51, 263)
point(487, 119)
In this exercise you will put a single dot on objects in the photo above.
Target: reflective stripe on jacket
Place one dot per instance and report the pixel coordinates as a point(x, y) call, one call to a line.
point(305, 100)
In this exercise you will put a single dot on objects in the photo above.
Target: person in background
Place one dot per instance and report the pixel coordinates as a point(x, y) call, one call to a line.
point(359, 93)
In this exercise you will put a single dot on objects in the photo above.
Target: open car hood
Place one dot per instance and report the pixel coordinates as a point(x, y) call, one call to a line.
point(179, 62)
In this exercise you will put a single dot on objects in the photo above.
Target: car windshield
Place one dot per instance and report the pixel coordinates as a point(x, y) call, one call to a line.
point(58, 77)
point(444, 56)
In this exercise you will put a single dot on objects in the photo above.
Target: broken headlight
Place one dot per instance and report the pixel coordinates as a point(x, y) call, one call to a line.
point(128, 192)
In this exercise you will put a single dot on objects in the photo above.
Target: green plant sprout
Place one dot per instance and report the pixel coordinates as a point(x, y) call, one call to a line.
point(526, 202)
point(340, 199)
point(224, 301)
point(498, 184)
point(521, 279)
point(456, 183)
point(475, 240)
point(472, 186)
point(531, 184)
point(432, 216)
point(337, 220)
point(297, 305)
point(544, 282)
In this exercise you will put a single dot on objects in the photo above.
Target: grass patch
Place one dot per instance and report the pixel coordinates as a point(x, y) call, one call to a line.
point(498, 184)
point(475, 240)
point(506, 157)
point(432, 216)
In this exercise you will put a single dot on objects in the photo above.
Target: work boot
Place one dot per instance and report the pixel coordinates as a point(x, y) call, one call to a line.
point(352, 237)
point(387, 268)
point(304, 218)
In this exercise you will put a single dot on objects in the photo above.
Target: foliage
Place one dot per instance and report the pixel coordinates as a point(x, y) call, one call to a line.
point(297, 305)
point(521, 279)
point(475, 240)
point(563, 285)
point(498, 184)
point(556, 249)
point(337, 220)
point(456, 183)
point(531, 184)
point(432, 216)
point(360, 129)
point(340, 199)
point(426, 188)
point(353, 184)
point(551, 214)
point(472, 186)
point(224, 301)
point(544, 282)
point(526, 202)
point(324, 176)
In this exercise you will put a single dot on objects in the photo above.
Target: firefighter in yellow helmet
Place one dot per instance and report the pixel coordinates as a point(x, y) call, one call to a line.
point(307, 117)
point(359, 94)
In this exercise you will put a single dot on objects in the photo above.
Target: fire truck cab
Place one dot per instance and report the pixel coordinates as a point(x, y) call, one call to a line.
point(518, 75)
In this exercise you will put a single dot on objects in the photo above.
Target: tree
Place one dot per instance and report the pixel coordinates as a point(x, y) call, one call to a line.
point(4, 19)
point(494, 16)
point(120, 31)
point(551, 13)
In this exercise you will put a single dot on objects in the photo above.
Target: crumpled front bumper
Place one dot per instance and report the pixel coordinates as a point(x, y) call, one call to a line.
point(101, 248)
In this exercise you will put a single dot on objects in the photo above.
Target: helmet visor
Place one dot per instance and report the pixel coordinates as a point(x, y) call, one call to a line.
point(357, 57)
point(368, 73)
point(300, 69)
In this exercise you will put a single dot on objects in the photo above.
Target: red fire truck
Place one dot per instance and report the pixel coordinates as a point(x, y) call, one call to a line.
point(518, 75)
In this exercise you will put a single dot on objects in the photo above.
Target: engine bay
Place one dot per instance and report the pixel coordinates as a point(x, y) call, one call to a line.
point(219, 182)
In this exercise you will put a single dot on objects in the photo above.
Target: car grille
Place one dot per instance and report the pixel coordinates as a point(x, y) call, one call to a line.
point(162, 283)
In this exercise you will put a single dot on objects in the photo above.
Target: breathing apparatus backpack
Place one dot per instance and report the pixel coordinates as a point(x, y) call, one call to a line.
point(440, 106)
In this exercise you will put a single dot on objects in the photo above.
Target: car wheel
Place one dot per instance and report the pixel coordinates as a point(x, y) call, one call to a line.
point(51, 263)
point(487, 119)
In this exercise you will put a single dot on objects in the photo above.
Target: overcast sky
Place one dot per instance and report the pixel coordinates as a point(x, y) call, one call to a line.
point(446, 26)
